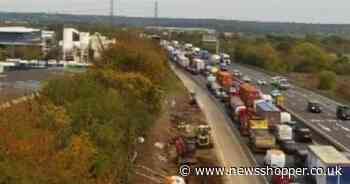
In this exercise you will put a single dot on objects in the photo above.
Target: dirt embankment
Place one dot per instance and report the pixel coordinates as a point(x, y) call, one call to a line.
point(157, 156)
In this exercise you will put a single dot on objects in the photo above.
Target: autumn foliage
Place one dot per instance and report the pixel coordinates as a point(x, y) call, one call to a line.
point(82, 129)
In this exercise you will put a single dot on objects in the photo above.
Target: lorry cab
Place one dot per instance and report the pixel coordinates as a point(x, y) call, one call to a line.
point(275, 158)
point(302, 134)
point(343, 112)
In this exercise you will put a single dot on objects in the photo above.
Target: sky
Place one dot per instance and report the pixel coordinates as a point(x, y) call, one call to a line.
point(307, 11)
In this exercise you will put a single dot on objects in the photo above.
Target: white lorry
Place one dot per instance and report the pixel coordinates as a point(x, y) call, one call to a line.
point(275, 158)
point(225, 58)
point(328, 158)
point(284, 132)
point(199, 65)
point(215, 59)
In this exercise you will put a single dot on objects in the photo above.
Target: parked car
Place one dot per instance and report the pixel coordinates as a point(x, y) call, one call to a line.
point(314, 107)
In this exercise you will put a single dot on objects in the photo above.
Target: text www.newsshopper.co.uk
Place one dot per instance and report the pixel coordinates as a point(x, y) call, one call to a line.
point(258, 171)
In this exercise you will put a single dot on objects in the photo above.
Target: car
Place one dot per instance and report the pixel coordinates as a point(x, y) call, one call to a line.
point(275, 93)
point(314, 107)
point(284, 84)
point(300, 157)
point(343, 112)
point(289, 146)
point(261, 82)
point(246, 79)
point(302, 134)
point(238, 74)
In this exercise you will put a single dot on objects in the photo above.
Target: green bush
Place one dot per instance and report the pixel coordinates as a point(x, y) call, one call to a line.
point(327, 80)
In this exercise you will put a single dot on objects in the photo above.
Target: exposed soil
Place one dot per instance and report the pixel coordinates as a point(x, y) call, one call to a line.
point(163, 161)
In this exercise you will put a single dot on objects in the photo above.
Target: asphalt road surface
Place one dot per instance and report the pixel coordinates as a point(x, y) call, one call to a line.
point(231, 151)
point(325, 123)
point(15, 84)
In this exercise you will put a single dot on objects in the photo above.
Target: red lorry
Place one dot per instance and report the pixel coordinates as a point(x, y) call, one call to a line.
point(249, 94)
point(225, 79)
point(238, 109)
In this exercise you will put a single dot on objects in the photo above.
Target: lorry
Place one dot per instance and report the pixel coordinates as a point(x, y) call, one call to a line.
point(278, 98)
point(215, 59)
point(261, 140)
point(225, 79)
point(199, 65)
point(328, 158)
point(237, 109)
point(284, 132)
point(260, 137)
point(225, 58)
point(188, 47)
point(204, 54)
point(210, 80)
point(343, 112)
point(183, 60)
point(196, 66)
point(275, 158)
point(286, 117)
point(268, 110)
point(249, 94)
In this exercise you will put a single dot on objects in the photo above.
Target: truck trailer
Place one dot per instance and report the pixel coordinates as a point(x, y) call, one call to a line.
point(269, 111)
point(249, 94)
point(328, 158)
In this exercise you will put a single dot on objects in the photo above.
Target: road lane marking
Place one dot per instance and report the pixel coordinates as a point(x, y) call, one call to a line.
point(324, 127)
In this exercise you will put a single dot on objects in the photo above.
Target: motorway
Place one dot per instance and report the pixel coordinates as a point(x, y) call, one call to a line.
point(326, 123)
point(230, 149)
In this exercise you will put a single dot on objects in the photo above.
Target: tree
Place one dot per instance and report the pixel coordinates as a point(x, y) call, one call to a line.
point(307, 57)
point(327, 80)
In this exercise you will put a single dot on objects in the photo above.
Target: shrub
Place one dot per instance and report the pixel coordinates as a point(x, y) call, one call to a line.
point(327, 80)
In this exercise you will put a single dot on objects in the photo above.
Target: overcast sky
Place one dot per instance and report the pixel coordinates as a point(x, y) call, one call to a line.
point(309, 11)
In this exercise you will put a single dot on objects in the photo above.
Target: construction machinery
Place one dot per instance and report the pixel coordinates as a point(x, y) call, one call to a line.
point(203, 135)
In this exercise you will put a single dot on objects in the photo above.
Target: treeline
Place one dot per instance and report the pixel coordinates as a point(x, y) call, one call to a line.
point(83, 128)
point(292, 55)
point(323, 58)
point(250, 27)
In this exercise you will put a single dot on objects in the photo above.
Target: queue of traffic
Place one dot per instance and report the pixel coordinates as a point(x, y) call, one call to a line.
point(261, 118)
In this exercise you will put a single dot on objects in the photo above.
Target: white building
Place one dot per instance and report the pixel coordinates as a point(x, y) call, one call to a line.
point(80, 46)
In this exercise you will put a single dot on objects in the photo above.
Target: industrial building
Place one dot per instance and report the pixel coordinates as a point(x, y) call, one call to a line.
point(28, 37)
point(80, 47)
